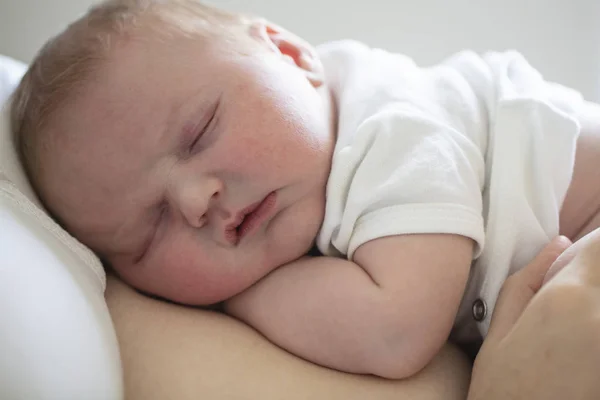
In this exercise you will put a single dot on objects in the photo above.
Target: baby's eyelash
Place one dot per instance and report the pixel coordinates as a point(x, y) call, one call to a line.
point(198, 137)
point(203, 130)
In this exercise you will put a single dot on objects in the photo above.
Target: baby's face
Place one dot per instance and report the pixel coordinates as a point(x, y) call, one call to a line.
point(193, 169)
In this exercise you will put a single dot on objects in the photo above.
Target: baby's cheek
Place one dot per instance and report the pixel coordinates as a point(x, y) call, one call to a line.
point(191, 276)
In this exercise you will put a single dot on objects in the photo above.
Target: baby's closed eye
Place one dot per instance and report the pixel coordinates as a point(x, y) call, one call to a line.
point(200, 132)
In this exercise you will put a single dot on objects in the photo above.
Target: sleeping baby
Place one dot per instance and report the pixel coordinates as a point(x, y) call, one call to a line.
point(355, 208)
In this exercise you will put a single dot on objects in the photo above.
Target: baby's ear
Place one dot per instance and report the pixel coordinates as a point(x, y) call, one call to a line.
point(292, 48)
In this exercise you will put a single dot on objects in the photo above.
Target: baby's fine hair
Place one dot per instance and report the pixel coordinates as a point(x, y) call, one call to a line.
point(68, 61)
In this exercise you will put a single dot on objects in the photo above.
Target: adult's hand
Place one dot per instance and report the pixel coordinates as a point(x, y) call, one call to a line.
point(545, 345)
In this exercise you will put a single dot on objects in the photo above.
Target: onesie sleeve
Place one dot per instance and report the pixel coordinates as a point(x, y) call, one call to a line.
point(406, 171)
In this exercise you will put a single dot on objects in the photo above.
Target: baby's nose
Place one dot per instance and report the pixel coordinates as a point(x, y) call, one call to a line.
point(196, 199)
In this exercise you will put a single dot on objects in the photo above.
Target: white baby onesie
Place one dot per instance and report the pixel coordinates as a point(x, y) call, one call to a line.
point(476, 146)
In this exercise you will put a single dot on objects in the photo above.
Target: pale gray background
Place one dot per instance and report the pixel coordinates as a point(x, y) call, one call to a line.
point(560, 37)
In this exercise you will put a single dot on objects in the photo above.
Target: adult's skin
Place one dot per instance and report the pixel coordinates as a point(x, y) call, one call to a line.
point(539, 347)
point(546, 345)
point(170, 351)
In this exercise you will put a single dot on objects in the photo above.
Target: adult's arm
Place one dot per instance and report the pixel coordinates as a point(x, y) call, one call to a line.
point(170, 351)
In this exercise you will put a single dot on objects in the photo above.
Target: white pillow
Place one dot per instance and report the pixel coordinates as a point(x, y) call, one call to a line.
point(11, 72)
point(57, 340)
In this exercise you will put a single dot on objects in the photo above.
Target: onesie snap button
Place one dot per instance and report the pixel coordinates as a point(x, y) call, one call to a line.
point(479, 310)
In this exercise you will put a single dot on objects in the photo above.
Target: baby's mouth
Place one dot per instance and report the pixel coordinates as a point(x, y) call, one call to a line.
point(237, 228)
point(250, 218)
point(232, 231)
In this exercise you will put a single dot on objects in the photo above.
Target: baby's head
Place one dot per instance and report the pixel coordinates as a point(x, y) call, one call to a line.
point(188, 147)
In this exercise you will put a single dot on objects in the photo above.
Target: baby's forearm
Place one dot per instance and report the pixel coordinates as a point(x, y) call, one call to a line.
point(331, 312)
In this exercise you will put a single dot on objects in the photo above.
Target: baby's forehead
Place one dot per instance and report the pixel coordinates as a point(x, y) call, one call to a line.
point(95, 146)
point(110, 129)
point(113, 124)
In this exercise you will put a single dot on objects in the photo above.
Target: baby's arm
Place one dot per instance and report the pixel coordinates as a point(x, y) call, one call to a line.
point(387, 313)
